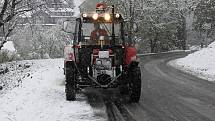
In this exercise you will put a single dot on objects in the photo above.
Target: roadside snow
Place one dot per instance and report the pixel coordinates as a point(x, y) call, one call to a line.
point(17, 71)
point(200, 63)
point(9, 46)
point(41, 97)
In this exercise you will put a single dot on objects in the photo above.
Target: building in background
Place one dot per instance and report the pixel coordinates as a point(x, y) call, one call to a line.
point(50, 14)
point(47, 15)
point(89, 5)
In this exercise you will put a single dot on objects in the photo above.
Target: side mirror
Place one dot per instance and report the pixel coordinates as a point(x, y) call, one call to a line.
point(69, 26)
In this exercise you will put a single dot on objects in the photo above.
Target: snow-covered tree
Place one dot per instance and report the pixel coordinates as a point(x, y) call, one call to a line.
point(36, 41)
point(9, 12)
point(55, 39)
point(205, 19)
point(163, 24)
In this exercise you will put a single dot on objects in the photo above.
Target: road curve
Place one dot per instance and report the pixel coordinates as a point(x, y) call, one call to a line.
point(171, 95)
point(167, 95)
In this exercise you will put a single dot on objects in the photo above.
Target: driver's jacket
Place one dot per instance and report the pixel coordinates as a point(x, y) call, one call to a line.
point(94, 37)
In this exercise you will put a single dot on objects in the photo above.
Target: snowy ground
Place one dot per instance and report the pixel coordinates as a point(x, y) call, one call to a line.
point(9, 46)
point(17, 71)
point(40, 96)
point(200, 63)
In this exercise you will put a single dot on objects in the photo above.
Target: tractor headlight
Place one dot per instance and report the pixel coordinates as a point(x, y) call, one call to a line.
point(117, 15)
point(98, 62)
point(84, 15)
point(107, 17)
point(108, 63)
point(95, 16)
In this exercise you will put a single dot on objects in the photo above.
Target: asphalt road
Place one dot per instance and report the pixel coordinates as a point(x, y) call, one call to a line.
point(167, 95)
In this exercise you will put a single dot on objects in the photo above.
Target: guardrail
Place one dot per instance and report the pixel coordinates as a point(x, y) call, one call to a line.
point(168, 52)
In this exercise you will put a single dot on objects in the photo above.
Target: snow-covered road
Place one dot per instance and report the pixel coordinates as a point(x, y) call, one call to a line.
point(41, 97)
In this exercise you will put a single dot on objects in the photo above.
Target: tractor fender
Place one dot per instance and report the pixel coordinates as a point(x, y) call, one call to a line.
point(131, 56)
point(69, 57)
point(69, 53)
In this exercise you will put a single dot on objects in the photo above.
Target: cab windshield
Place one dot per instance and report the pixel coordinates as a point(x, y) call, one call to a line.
point(89, 28)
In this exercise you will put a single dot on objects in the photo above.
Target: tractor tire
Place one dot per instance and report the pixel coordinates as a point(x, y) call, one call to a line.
point(124, 89)
point(70, 83)
point(85, 60)
point(135, 85)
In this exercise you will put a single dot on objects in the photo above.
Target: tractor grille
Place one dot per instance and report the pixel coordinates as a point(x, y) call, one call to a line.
point(103, 64)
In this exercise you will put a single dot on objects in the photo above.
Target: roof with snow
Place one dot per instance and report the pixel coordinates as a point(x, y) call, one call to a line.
point(61, 10)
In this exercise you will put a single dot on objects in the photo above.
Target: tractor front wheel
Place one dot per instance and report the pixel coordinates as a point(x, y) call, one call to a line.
point(70, 83)
point(135, 84)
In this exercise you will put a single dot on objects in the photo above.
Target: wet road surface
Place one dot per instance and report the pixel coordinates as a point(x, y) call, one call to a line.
point(167, 95)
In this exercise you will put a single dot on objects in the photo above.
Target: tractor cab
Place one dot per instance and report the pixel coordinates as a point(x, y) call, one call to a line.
point(99, 57)
point(102, 27)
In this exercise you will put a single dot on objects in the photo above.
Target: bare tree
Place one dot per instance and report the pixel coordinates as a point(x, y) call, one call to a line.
point(10, 10)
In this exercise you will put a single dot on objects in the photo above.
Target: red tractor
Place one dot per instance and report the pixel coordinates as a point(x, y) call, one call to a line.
point(100, 56)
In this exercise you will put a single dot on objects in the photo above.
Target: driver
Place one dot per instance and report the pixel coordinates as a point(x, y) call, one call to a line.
point(95, 34)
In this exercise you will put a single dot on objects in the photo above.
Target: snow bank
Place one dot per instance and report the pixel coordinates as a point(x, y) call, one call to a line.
point(17, 71)
point(41, 97)
point(200, 63)
point(9, 46)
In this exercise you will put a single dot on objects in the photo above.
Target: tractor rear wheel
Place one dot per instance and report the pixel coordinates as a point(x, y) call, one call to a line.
point(70, 83)
point(135, 84)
